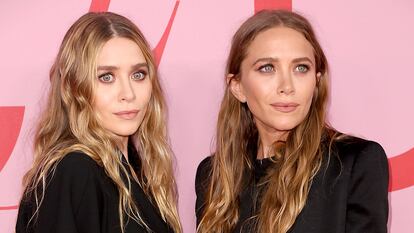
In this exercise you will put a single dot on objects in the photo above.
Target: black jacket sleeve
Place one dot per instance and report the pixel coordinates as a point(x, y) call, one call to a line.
point(72, 201)
point(201, 186)
point(367, 206)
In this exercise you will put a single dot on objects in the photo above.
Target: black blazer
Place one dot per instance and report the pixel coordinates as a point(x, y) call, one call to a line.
point(349, 194)
point(81, 198)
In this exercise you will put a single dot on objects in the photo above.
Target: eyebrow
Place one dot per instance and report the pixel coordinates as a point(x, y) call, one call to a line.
point(275, 59)
point(136, 66)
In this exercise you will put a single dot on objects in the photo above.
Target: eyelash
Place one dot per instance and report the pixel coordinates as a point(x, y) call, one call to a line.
point(143, 72)
point(302, 65)
point(262, 68)
point(101, 77)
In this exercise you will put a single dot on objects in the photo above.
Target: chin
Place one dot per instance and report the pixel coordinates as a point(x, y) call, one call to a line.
point(125, 132)
point(282, 126)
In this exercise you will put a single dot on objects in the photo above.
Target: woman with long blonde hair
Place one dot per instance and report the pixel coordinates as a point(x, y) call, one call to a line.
point(278, 166)
point(102, 161)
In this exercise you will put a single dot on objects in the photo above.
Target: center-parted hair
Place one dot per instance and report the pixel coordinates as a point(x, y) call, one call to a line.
point(285, 187)
point(69, 122)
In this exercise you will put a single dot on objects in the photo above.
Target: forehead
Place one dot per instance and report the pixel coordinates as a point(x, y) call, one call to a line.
point(120, 50)
point(280, 42)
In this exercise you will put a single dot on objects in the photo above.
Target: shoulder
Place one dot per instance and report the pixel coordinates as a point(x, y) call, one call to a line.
point(77, 158)
point(205, 164)
point(203, 173)
point(366, 166)
point(362, 158)
point(359, 150)
point(201, 184)
point(75, 162)
point(76, 166)
point(204, 168)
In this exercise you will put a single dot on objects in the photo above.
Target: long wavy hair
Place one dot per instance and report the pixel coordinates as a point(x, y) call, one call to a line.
point(286, 186)
point(69, 122)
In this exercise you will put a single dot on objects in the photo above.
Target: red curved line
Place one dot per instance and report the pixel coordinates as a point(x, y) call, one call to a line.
point(272, 4)
point(159, 49)
point(11, 119)
point(99, 5)
point(9, 207)
point(401, 171)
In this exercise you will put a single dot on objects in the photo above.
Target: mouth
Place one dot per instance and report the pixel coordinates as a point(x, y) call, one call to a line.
point(127, 115)
point(285, 107)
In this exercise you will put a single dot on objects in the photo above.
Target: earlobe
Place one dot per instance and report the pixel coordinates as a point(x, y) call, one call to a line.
point(318, 78)
point(316, 90)
point(236, 88)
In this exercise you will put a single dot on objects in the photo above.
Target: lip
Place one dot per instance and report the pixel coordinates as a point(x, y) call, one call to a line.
point(285, 107)
point(128, 114)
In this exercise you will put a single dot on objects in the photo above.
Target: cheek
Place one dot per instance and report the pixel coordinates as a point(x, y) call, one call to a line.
point(255, 89)
point(103, 99)
point(257, 96)
point(305, 86)
point(143, 92)
point(307, 93)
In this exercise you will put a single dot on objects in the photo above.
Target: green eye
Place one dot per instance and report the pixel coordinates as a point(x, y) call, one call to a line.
point(302, 68)
point(266, 68)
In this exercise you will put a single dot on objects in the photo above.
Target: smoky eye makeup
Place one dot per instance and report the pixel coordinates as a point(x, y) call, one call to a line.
point(106, 77)
point(139, 75)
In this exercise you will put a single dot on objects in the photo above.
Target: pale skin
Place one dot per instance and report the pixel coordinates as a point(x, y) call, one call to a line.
point(123, 89)
point(277, 81)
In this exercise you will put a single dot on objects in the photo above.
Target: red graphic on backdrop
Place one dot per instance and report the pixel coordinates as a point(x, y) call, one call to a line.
point(99, 5)
point(159, 49)
point(103, 5)
point(11, 119)
point(401, 166)
point(272, 4)
point(9, 207)
point(402, 171)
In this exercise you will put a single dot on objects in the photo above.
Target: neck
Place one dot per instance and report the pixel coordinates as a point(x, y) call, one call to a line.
point(123, 147)
point(267, 138)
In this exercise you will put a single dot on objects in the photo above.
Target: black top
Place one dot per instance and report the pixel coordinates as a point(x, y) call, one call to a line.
point(81, 198)
point(349, 194)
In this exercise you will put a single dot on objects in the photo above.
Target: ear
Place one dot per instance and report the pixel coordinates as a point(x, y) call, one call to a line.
point(318, 78)
point(236, 87)
point(316, 90)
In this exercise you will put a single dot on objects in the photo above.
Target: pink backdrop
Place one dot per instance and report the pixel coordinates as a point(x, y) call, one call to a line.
point(368, 44)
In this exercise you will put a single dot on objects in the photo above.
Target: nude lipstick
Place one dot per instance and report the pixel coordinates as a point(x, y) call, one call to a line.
point(285, 107)
point(127, 115)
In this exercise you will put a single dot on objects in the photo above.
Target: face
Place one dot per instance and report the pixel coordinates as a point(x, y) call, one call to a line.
point(277, 80)
point(123, 87)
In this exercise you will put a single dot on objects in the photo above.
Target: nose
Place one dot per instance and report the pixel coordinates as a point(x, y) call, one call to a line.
point(286, 85)
point(126, 92)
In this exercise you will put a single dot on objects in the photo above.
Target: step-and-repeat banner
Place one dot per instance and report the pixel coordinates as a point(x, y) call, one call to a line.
point(369, 45)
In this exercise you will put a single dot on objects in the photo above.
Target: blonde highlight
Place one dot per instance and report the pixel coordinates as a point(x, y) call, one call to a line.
point(69, 122)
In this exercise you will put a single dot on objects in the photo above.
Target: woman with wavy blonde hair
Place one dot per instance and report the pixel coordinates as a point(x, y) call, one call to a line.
point(102, 160)
point(278, 166)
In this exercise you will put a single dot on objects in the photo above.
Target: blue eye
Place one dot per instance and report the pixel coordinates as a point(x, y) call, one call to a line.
point(302, 68)
point(106, 78)
point(268, 68)
point(140, 75)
